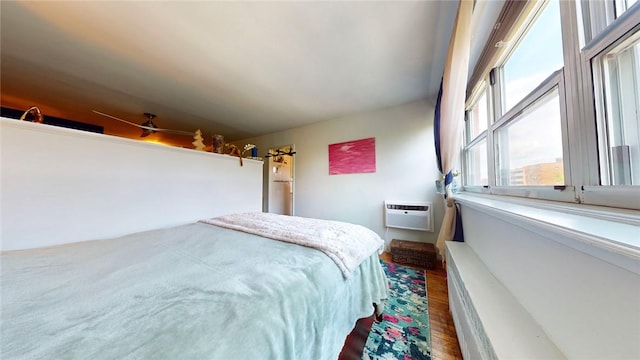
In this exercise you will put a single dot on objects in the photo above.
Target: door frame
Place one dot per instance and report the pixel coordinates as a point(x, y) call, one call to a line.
point(269, 175)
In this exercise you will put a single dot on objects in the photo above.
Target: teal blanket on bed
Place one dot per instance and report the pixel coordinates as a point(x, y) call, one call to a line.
point(191, 292)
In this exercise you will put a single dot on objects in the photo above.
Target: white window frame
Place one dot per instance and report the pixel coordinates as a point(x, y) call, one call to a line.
point(560, 192)
point(578, 113)
point(469, 142)
point(497, 120)
point(618, 31)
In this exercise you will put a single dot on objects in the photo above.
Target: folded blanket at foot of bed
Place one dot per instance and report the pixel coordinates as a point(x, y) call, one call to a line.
point(346, 244)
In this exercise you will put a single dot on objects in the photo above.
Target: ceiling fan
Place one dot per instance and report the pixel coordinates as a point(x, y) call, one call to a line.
point(148, 127)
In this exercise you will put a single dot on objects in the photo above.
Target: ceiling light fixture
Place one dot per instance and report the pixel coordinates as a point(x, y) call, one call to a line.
point(148, 126)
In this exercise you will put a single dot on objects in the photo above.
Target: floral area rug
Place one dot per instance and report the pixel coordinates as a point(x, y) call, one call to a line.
point(403, 332)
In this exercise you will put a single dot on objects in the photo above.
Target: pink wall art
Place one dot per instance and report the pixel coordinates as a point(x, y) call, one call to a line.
point(353, 157)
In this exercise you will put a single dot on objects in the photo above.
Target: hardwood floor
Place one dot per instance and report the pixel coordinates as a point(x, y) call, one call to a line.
point(444, 341)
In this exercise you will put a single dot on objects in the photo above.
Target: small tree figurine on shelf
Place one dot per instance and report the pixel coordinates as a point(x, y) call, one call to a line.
point(198, 141)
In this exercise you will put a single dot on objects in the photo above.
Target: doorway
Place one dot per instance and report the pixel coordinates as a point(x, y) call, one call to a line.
point(280, 180)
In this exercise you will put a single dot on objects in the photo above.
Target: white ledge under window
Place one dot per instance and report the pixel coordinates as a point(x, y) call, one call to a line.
point(610, 234)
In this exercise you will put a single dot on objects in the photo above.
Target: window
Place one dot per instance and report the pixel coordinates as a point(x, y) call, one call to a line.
point(597, 17)
point(611, 63)
point(537, 54)
point(477, 119)
point(477, 164)
point(524, 137)
point(529, 147)
point(562, 105)
point(478, 116)
point(619, 101)
point(622, 5)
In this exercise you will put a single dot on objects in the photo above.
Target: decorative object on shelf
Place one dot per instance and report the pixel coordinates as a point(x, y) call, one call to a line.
point(440, 186)
point(454, 184)
point(234, 151)
point(35, 113)
point(247, 148)
point(218, 144)
point(148, 127)
point(197, 141)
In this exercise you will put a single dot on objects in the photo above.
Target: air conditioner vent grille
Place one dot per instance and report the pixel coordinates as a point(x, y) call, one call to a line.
point(408, 207)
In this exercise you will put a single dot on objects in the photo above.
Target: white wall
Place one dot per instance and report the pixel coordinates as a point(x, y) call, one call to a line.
point(405, 167)
point(588, 307)
point(61, 185)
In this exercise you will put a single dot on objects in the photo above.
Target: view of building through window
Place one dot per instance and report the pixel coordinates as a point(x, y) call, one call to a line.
point(530, 148)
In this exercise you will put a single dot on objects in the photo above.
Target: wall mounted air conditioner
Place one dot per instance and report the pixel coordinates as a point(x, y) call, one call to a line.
point(408, 215)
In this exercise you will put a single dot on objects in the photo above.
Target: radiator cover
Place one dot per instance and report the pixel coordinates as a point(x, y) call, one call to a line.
point(474, 343)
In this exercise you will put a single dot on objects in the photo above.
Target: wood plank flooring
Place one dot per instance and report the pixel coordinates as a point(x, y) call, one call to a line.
point(444, 341)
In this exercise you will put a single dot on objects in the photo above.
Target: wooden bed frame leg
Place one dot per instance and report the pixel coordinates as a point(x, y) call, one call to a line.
point(354, 344)
point(378, 317)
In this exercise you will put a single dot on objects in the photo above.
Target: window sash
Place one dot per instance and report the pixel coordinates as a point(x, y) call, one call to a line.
point(523, 37)
point(507, 144)
point(512, 15)
point(554, 80)
point(480, 141)
point(614, 34)
point(623, 108)
point(618, 32)
point(481, 95)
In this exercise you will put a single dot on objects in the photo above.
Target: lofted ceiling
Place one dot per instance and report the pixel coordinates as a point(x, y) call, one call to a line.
point(240, 69)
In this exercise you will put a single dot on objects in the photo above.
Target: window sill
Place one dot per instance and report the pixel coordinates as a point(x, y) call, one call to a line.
point(610, 234)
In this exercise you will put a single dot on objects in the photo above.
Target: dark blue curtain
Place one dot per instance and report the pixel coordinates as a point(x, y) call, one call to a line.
point(448, 178)
point(458, 234)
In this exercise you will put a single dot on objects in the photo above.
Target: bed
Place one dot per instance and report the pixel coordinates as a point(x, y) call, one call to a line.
point(195, 291)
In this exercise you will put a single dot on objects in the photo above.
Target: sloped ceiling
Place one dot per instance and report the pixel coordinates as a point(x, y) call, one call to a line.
point(240, 69)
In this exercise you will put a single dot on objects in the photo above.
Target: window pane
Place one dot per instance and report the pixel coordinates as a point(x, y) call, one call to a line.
point(478, 116)
point(623, 5)
point(536, 57)
point(477, 173)
point(529, 148)
point(621, 69)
